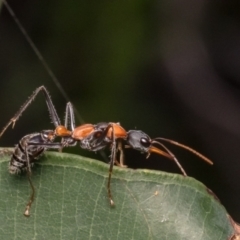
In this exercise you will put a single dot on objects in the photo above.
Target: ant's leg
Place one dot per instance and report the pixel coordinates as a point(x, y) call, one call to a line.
point(28, 207)
point(29, 174)
point(121, 157)
point(173, 157)
point(112, 160)
point(53, 114)
point(69, 116)
point(55, 145)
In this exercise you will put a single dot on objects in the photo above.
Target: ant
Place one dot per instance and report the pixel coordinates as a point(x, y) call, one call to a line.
point(99, 136)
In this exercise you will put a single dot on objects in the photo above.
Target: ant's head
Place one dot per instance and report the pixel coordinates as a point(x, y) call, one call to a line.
point(140, 141)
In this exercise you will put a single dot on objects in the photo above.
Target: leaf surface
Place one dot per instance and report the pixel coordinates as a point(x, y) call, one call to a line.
point(71, 203)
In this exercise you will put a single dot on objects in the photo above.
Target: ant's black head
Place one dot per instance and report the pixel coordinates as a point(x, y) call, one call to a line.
point(139, 141)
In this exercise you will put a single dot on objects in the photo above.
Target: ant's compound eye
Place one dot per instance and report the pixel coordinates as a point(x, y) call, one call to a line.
point(145, 142)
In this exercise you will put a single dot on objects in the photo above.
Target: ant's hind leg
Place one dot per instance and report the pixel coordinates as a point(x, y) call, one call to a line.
point(53, 114)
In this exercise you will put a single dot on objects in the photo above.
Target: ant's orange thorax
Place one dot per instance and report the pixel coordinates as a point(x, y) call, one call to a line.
point(82, 131)
point(119, 131)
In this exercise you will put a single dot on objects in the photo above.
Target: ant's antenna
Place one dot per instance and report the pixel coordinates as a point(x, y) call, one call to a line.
point(40, 57)
point(187, 148)
point(173, 156)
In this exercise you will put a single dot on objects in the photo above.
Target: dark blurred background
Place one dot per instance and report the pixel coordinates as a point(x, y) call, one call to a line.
point(170, 68)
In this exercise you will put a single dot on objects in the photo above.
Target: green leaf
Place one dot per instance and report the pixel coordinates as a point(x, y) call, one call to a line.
point(71, 203)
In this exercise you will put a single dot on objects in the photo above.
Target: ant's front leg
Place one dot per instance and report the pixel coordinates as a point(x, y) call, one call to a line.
point(121, 154)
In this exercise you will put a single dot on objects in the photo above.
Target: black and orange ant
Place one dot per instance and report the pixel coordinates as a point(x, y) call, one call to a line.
point(99, 136)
